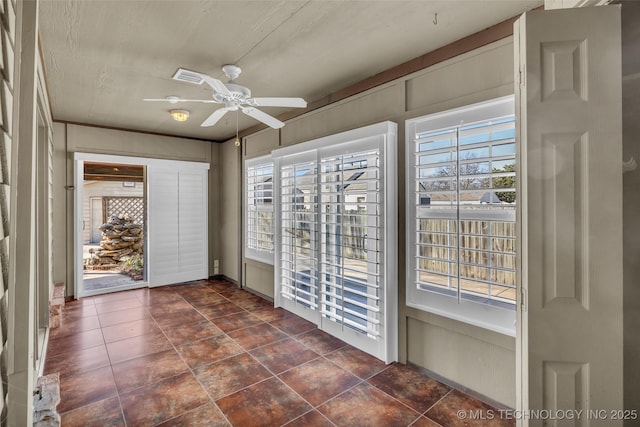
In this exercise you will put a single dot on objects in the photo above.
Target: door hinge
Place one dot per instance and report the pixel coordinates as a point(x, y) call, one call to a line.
point(523, 299)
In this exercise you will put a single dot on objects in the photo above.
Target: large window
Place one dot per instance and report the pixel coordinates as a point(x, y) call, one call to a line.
point(336, 246)
point(259, 199)
point(461, 214)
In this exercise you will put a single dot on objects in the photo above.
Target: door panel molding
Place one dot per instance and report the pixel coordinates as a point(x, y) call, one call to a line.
point(565, 176)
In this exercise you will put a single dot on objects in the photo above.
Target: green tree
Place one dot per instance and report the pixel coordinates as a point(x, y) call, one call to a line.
point(505, 182)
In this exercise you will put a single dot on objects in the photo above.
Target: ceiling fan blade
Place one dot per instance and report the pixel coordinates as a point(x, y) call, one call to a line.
point(217, 85)
point(263, 117)
point(175, 101)
point(213, 118)
point(280, 102)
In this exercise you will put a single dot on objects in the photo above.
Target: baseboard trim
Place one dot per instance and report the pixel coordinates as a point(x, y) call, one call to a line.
point(459, 387)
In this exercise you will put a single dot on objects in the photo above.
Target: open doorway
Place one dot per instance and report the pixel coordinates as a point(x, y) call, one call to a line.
point(173, 226)
point(113, 227)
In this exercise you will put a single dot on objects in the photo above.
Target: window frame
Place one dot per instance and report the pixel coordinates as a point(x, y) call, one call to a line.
point(253, 253)
point(481, 314)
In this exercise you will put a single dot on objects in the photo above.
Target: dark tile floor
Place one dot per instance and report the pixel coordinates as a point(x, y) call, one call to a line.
point(209, 354)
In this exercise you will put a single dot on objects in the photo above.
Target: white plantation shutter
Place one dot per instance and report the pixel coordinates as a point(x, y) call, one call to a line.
point(163, 231)
point(259, 235)
point(462, 212)
point(298, 245)
point(192, 224)
point(349, 250)
point(177, 231)
point(336, 242)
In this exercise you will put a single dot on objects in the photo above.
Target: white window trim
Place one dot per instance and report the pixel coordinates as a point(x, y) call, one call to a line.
point(490, 317)
point(353, 141)
point(263, 256)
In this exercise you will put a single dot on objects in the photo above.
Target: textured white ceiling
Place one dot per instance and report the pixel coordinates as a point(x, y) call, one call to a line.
point(102, 57)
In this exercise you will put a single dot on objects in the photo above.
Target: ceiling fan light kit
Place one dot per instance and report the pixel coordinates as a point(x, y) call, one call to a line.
point(179, 115)
point(234, 97)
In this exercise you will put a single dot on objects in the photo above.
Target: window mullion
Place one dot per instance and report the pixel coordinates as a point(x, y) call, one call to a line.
point(458, 225)
point(373, 222)
point(340, 223)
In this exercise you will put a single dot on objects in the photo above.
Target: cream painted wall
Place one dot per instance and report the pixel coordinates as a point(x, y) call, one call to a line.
point(61, 221)
point(96, 140)
point(230, 217)
point(258, 276)
point(261, 143)
point(459, 349)
point(215, 209)
point(70, 138)
point(385, 102)
point(478, 359)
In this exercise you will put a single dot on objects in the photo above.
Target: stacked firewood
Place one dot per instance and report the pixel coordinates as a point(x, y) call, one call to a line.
point(121, 239)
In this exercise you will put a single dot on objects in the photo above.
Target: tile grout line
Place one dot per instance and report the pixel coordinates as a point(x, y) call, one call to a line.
point(190, 369)
point(273, 375)
point(250, 309)
point(248, 352)
point(424, 414)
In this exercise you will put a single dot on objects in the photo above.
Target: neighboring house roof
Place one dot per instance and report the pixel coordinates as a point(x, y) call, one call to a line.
point(490, 197)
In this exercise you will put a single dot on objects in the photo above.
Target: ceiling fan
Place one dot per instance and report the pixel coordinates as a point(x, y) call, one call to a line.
point(233, 96)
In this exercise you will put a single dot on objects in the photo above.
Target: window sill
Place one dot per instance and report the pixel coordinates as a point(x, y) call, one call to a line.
point(264, 258)
point(495, 319)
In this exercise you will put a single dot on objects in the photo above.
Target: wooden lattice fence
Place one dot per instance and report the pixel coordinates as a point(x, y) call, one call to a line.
point(131, 206)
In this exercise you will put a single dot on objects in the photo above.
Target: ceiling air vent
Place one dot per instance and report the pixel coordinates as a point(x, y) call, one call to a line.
point(188, 76)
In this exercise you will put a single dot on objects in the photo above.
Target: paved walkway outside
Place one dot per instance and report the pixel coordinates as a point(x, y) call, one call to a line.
point(101, 279)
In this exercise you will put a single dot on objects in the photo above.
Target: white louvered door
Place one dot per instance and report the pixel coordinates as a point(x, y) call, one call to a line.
point(298, 237)
point(177, 215)
point(336, 243)
point(350, 258)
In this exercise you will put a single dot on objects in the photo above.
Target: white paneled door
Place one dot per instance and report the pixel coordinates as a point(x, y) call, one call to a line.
point(568, 73)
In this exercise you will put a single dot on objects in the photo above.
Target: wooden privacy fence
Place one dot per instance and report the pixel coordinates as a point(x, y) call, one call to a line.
point(354, 234)
point(487, 249)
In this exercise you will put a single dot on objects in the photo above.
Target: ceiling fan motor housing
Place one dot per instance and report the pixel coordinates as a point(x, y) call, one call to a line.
point(237, 94)
point(231, 71)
